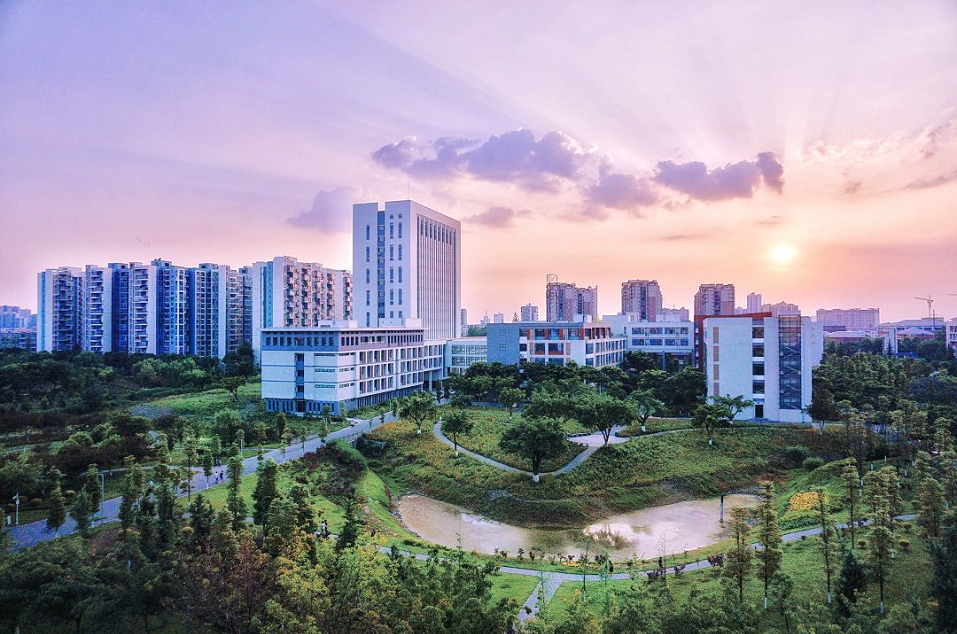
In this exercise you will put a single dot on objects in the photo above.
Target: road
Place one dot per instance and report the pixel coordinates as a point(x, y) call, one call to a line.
point(26, 535)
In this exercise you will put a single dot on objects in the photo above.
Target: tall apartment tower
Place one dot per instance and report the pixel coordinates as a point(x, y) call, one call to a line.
point(172, 302)
point(714, 299)
point(564, 300)
point(14, 317)
point(529, 312)
point(217, 310)
point(60, 309)
point(754, 302)
point(407, 264)
point(98, 309)
point(642, 297)
point(287, 293)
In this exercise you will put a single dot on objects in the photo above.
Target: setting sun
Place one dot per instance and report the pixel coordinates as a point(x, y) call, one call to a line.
point(783, 253)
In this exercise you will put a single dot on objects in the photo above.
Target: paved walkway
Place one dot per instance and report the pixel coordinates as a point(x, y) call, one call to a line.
point(26, 535)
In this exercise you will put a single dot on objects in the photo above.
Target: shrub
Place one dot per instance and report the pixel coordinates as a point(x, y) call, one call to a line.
point(796, 453)
point(904, 543)
point(810, 464)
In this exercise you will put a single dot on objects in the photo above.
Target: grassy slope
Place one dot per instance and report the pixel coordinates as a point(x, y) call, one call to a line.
point(488, 425)
point(802, 561)
point(644, 472)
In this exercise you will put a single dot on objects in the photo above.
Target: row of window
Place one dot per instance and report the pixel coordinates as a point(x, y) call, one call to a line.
point(660, 342)
point(657, 330)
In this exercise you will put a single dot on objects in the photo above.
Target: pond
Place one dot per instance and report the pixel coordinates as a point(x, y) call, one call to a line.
point(646, 533)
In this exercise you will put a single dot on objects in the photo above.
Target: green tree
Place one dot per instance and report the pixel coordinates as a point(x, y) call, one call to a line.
point(709, 418)
point(232, 384)
point(880, 545)
point(80, 512)
point(56, 515)
point(282, 524)
point(536, 440)
point(418, 408)
point(943, 583)
point(91, 484)
point(603, 413)
point(305, 511)
point(931, 508)
point(782, 587)
point(738, 560)
point(510, 397)
point(732, 405)
point(852, 579)
point(234, 499)
point(132, 493)
point(201, 516)
point(456, 422)
point(769, 534)
point(851, 496)
point(351, 527)
point(646, 406)
point(826, 538)
point(266, 491)
point(207, 460)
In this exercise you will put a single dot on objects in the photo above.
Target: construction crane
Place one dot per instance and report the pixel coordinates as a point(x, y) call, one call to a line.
point(930, 304)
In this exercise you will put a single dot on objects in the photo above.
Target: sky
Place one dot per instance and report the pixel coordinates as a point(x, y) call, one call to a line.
point(803, 150)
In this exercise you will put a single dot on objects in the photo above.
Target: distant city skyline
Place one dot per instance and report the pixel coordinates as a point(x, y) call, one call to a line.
point(802, 151)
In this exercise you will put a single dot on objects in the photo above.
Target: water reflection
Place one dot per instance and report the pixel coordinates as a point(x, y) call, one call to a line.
point(646, 533)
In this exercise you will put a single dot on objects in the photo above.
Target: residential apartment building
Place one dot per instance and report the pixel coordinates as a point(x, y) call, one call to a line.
point(836, 319)
point(345, 366)
point(558, 342)
point(21, 338)
point(668, 340)
point(674, 314)
point(564, 301)
point(406, 262)
point(60, 309)
point(172, 304)
point(529, 312)
point(714, 299)
point(14, 317)
point(642, 298)
point(464, 321)
point(97, 309)
point(498, 318)
point(462, 352)
point(754, 303)
point(781, 308)
point(952, 335)
point(294, 294)
point(140, 282)
point(768, 360)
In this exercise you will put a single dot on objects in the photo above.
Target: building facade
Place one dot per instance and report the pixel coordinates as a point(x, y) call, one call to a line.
point(98, 309)
point(345, 366)
point(642, 298)
point(406, 263)
point(21, 338)
point(952, 335)
point(60, 309)
point(564, 301)
point(14, 317)
point(462, 352)
point(768, 360)
point(587, 344)
point(668, 340)
point(529, 312)
point(287, 293)
point(714, 299)
point(836, 319)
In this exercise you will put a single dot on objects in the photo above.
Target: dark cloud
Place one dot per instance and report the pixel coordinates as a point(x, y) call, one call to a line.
point(330, 210)
point(516, 157)
point(498, 217)
point(853, 187)
point(734, 180)
point(772, 221)
point(771, 170)
point(621, 191)
point(927, 183)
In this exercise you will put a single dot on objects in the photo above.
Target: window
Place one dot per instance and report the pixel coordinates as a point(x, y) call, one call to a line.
point(757, 387)
point(714, 335)
point(391, 274)
point(367, 297)
point(367, 276)
point(757, 350)
point(400, 294)
point(400, 251)
point(757, 332)
point(367, 254)
point(400, 235)
point(391, 230)
point(367, 232)
point(400, 275)
point(757, 369)
point(391, 252)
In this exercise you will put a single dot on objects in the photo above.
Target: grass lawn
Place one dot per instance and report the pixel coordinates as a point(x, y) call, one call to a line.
point(514, 587)
point(488, 425)
point(656, 424)
point(802, 561)
point(618, 478)
point(200, 408)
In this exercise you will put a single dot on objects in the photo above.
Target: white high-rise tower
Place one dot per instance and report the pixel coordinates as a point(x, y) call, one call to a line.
point(406, 264)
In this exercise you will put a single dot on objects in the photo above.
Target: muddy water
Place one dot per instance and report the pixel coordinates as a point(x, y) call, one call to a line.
point(647, 533)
